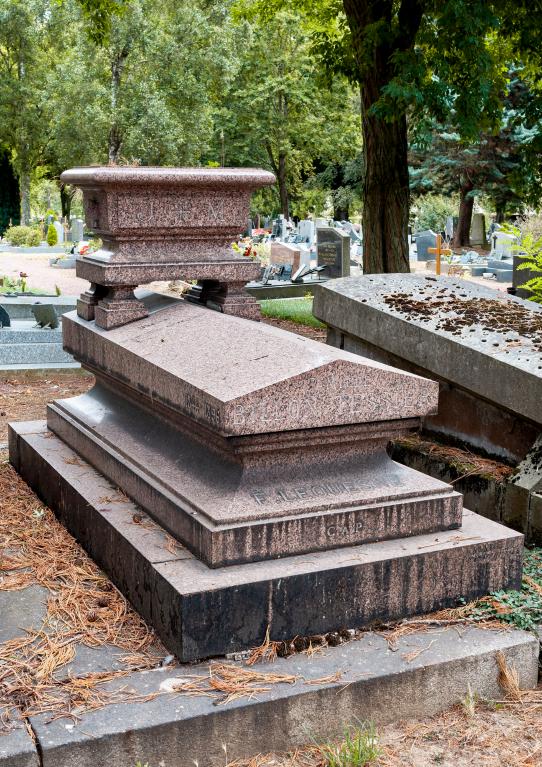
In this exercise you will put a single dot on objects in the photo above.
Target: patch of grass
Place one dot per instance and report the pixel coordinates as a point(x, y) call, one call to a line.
point(522, 609)
point(358, 748)
point(297, 310)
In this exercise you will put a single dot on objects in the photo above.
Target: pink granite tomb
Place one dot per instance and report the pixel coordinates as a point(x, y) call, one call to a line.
point(261, 452)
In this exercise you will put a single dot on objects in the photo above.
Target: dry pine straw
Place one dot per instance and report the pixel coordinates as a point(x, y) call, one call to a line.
point(505, 733)
point(83, 608)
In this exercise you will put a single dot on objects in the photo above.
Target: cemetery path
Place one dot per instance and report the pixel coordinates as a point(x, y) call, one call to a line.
point(41, 276)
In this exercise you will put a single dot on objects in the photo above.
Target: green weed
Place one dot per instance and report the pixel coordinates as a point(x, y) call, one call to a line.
point(358, 748)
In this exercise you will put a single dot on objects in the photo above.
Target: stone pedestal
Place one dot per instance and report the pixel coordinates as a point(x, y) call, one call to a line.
point(165, 224)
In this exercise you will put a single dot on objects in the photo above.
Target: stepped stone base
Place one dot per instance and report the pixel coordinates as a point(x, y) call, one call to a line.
point(201, 612)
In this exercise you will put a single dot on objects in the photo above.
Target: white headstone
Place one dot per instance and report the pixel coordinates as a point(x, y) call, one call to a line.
point(306, 230)
point(503, 245)
point(478, 229)
point(59, 231)
point(77, 229)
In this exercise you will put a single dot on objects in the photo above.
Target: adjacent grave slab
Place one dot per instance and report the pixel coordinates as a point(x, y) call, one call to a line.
point(483, 346)
point(427, 673)
point(202, 612)
point(20, 308)
point(23, 344)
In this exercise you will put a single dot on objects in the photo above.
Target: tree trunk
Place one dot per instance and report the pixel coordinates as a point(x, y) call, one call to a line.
point(386, 199)
point(115, 134)
point(24, 187)
point(66, 197)
point(283, 187)
point(466, 204)
point(377, 36)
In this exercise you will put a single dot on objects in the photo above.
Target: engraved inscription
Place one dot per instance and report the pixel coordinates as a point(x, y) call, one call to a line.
point(201, 410)
point(305, 492)
point(344, 531)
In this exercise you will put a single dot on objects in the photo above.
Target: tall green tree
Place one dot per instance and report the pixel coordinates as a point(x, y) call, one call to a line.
point(27, 43)
point(414, 61)
point(497, 164)
point(146, 91)
point(280, 112)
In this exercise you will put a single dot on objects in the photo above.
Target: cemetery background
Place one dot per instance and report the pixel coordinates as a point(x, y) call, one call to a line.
point(314, 149)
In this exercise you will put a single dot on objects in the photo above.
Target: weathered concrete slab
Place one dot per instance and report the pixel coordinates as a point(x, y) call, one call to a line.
point(200, 612)
point(21, 610)
point(427, 673)
point(483, 345)
point(17, 749)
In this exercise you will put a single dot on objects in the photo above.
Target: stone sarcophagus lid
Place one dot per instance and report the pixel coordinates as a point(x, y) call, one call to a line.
point(165, 224)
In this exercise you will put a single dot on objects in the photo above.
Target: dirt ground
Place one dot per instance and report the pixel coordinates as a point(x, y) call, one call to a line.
point(25, 398)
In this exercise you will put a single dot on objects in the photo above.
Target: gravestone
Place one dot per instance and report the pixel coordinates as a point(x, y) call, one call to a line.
point(478, 230)
point(253, 447)
point(45, 315)
point(77, 229)
point(503, 245)
point(59, 231)
point(425, 240)
point(283, 253)
point(306, 230)
point(333, 251)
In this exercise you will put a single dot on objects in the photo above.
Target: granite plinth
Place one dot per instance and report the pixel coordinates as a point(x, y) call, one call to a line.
point(200, 612)
point(483, 345)
point(259, 498)
point(163, 224)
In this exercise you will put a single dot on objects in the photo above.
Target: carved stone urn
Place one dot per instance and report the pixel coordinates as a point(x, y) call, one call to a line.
point(165, 224)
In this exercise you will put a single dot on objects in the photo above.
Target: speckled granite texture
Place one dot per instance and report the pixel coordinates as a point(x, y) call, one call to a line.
point(247, 442)
point(165, 223)
point(239, 378)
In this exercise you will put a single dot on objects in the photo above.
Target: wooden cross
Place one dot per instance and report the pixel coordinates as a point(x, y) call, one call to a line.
point(439, 251)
